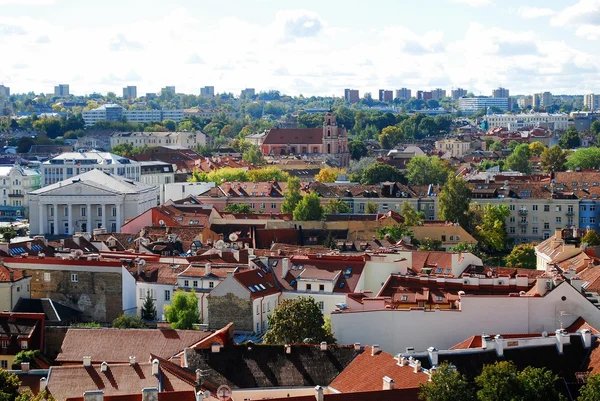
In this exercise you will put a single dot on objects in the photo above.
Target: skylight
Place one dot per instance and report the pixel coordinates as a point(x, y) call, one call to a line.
point(251, 289)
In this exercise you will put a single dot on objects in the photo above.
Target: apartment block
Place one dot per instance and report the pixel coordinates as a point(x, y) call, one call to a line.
point(130, 92)
point(351, 95)
point(61, 90)
point(500, 92)
point(4, 91)
point(438, 94)
point(386, 95)
point(207, 91)
point(513, 122)
point(590, 101)
point(457, 93)
point(248, 93)
point(170, 89)
point(476, 103)
point(404, 94)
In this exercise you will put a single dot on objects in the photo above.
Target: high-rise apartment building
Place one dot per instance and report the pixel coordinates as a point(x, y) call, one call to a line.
point(543, 99)
point(4, 91)
point(424, 95)
point(591, 102)
point(207, 91)
point(351, 95)
point(386, 95)
point(61, 90)
point(476, 103)
point(170, 89)
point(438, 94)
point(130, 92)
point(500, 92)
point(457, 93)
point(403, 94)
point(248, 93)
point(525, 101)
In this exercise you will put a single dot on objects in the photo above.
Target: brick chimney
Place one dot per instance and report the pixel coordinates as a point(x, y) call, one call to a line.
point(97, 395)
point(149, 394)
point(374, 349)
point(319, 393)
point(417, 366)
point(24, 367)
point(586, 337)
point(388, 383)
point(285, 267)
point(433, 356)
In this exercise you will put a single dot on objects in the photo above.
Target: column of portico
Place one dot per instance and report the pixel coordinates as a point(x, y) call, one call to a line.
point(41, 212)
point(118, 225)
point(70, 218)
point(88, 210)
point(103, 205)
point(55, 206)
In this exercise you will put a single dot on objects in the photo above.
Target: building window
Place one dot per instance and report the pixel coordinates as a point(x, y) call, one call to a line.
point(583, 208)
point(534, 219)
point(523, 230)
point(558, 208)
point(322, 305)
point(512, 219)
point(167, 295)
point(24, 345)
point(512, 230)
point(195, 283)
point(211, 284)
point(4, 343)
point(546, 235)
point(558, 220)
point(583, 220)
point(512, 207)
point(546, 208)
point(99, 212)
point(592, 208)
point(83, 211)
point(592, 220)
point(546, 226)
point(262, 205)
point(74, 278)
point(443, 238)
point(114, 212)
point(51, 211)
point(47, 277)
point(534, 208)
point(273, 206)
point(321, 287)
point(66, 211)
point(308, 287)
point(257, 309)
point(404, 297)
point(4, 364)
point(534, 230)
point(186, 283)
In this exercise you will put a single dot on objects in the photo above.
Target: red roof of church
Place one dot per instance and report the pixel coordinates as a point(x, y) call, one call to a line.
point(303, 136)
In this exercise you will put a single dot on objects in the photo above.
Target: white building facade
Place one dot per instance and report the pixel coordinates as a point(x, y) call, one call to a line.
point(515, 121)
point(473, 104)
point(184, 139)
point(91, 200)
point(17, 182)
point(114, 112)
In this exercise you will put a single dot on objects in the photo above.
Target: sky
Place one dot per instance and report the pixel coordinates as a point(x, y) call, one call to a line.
point(313, 47)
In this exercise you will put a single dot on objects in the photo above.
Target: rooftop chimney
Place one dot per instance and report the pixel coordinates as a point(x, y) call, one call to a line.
point(96, 395)
point(285, 267)
point(43, 383)
point(499, 345)
point(104, 367)
point(200, 396)
point(388, 383)
point(433, 355)
point(149, 394)
point(374, 349)
point(586, 336)
point(215, 347)
point(558, 234)
point(132, 360)
point(288, 349)
point(198, 377)
point(417, 366)
point(11, 275)
point(24, 367)
point(87, 361)
point(155, 366)
point(356, 347)
point(208, 268)
point(323, 346)
point(319, 391)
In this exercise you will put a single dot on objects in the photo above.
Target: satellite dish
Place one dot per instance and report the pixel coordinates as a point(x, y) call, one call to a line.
point(78, 253)
point(161, 222)
point(233, 237)
point(142, 262)
point(220, 244)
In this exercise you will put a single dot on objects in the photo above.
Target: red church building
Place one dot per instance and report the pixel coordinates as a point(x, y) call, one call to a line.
point(331, 140)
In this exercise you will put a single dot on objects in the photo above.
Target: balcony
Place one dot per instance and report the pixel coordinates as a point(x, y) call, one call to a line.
point(522, 212)
point(570, 213)
point(523, 223)
point(16, 195)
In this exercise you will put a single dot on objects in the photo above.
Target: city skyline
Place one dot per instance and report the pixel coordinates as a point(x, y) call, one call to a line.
point(318, 50)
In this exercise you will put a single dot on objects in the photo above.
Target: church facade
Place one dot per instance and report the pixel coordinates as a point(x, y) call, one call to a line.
point(330, 140)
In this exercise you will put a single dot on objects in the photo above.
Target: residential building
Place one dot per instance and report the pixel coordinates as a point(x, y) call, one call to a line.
point(424, 95)
point(447, 233)
point(403, 94)
point(4, 91)
point(182, 158)
point(456, 147)
point(86, 201)
point(17, 181)
point(591, 102)
point(501, 92)
point(248, 93)
point(457, 93)
point(114, 112)
point(19, 332)
point(169, 89)
point(158, 174)
point(525, 101)
point(184, 139)
point(351, 95)
point(101, 289)
point(331, 141)
point(70, 164)
point(265, 196)
point(207, 91)
point(386, 95)
point(515, 122)
point(61, 90)
point(130, 92)
point(476, 103)
point(94, 140)
point(438, 94)
point(181, 190)
point(208, 113)
point(14, 285)
point(541, 100)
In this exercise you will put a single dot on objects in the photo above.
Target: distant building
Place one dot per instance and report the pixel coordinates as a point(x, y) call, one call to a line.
point(456, 147)
point(61, 90)
point(207, 91)
point(513, 122)
point(525, 102)
point(17, 182)
point(457, 93)
point(543, 99)
point(4, 91)
point(114, 112)
point(170, 89)
point(185, 139)
point(500, 92)
point(351, 95)
point(424, 95)
point(248, 93)
point(403, 94)
point(130, 92)
point(476, 103)
point(386, 95)
point(591, 101)
point(438, 94)
point(208, 113)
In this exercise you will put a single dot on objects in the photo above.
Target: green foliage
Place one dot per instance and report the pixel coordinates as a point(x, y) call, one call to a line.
point(380, 172)
point(519, 159)
point(536, 148)
point(358, 166)
point(425, 170)
point(129, 322)
point(295, 321)
point(591, 390)
point(9, 386)
point(253, 155)
point(496, 147)
point(88, 325)
point(491, 232)
point(148, 309)
point(466, 247)
point(584, 158)
point(329, 174)
point(309, 208)
point(357, 150)
point(8, 233)
point(267, 174)
point(242, 208)
point(26, 356)
point(27, 395)
point(430, 244)
point(371, 208)
point(591, 238)
point(412, 217)
point(394, 232)
point(122, 149)
point(454, 201)
point(447, 384)
point(183, 312)
point(337, 206)
point(24, 145)
point(570, 139)
point(553, 159)
point(292, 195)
point(595, 127)
point(230, 174)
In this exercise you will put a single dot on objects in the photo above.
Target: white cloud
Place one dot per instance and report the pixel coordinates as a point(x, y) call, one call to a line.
point(585, 12)
point(527, 12)
point(26, 2)
point(474, 3)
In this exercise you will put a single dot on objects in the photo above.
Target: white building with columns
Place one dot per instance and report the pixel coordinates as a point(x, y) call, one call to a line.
point(91, 200)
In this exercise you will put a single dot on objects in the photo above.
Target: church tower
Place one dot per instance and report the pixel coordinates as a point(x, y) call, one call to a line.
point(335, 140)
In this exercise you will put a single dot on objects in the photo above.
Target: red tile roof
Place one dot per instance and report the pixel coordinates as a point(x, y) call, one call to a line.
point(366, 372)
point(476, 342)
point(168, 396)
point(581, 324)
point(283, 136)
point(8, 274)
point(262, 282)
point(116, 345)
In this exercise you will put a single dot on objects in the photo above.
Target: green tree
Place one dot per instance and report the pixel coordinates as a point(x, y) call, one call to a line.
point(454, 199)
point(25, 356)
point(129, 322)
point(329, 174)
point(412, 217)
point(122, 149)
point(253, 155)
point(24, 145)
point(170, 125)
point(380, 172)
point(242, 208)
point(295, 321)
point(447, 384)
point(584, 158)
point(337, 206)
point(498, 382)
point(595, 127)
point(371, 208)
point(536, 148)
point(537, 384)
point(9, 386)
point(523, 256)
point(554, 159)
point(466, 247)
point(395, 232)
point(570, 139)
point(390, 137)
point(491, 233)
point(519, 159)
point(149, 309)
point(309, 208)
point(357, 150)
point(496, 147)
point(425, 170)
point(270, 173)
point(8, 233)
point(430, 244)
point(591, 238)
point(591, 390)
point(183, 312)
point(292, 195)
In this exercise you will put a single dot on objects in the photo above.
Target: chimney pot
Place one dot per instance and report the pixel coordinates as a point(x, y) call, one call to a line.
point(132, 360)
point(104, 367)
point(319, 391)
point(155, 367)
point(24, 367)
point(150, 394)
point(388, 383)
point(215, 347)
point(43, 383)
point(288, 349)
point(200, 396)
point(87, 361)
point(96, 395)
point(323, 346)
point(356, 346)
point(374, 349)
point(417, 366)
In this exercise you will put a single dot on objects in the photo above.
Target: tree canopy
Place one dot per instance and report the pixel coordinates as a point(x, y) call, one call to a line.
point(584, 158)
point(523, 256)
point(519, 159)
point(570, 139)
point(309, 208)
point(371, 208)
point(337, 206)
point(591, 238)
point(242, 208)
point(491, 231)
point(447, 384)
point(380, 172)
point(183, 312)
point(411, 216)
point(454, 199)
point(149, 308)
point(329, 174)
point(128, 322)
point(296, 321)
point(292, 195)
point(425, 170)
point(554, 159)
point(591, 390)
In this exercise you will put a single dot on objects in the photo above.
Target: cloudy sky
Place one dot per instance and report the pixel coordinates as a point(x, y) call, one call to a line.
point(320, 48)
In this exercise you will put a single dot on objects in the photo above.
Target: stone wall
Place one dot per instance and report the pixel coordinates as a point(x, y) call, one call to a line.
point(54, 336)
point(229, 308)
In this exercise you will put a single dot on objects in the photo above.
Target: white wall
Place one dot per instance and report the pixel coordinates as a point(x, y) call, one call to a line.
point(329, 300)
point(378, 270)
point(180, 190)
point(129, 292)
point(264, 306)
point(394, 330)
